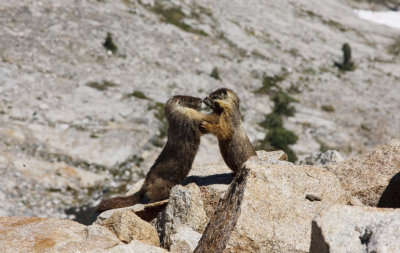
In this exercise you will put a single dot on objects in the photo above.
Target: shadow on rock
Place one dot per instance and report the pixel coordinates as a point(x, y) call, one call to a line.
point(391, 195)
point(225, 178)
point(85, 214)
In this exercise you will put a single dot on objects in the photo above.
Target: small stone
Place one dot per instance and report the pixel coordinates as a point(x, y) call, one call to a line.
point(127, 226)
point(185, 240)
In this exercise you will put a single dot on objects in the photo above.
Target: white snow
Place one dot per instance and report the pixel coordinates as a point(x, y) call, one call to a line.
point(389, 18)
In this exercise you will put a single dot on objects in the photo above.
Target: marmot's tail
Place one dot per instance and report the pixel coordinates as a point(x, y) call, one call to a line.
point(119, 202)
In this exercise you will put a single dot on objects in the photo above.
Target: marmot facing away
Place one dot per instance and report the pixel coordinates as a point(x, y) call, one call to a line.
point(175, 160)
point(233, 142)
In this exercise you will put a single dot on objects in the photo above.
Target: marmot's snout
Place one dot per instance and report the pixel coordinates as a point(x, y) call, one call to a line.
point(208, 102)
point(198, 103)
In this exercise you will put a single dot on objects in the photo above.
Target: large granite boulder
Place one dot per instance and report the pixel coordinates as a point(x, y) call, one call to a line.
point(269, 208)
point(356, 229)
point(372, 178)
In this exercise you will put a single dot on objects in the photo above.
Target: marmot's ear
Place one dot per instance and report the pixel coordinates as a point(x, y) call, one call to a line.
point(225, 92)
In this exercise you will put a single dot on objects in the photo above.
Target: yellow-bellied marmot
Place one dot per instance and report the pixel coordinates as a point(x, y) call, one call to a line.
point(175, 160)
point(233, 142)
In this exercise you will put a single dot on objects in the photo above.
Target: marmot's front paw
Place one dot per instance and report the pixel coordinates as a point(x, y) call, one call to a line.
point(204, 126)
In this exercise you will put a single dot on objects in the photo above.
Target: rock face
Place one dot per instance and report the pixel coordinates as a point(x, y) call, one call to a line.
point(185, 208)
point(269, 207)
point(373, 178)
point(127, 226)
point(356, 229)
point(23, 234)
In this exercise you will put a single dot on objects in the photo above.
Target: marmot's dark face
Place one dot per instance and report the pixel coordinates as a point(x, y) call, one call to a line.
point(219, 94)
point(188, 101)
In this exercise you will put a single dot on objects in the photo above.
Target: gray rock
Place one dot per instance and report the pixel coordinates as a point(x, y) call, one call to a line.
point(96, 230)
point(134, 247)
point(185, 240)
point(320, 158)
point(373, 177)
point(356, 229)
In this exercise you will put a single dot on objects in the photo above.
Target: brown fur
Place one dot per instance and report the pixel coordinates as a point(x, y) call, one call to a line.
point(233, 142)
point(175, 160)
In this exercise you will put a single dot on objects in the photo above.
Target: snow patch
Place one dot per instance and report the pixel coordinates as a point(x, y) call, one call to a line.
point(389, 18)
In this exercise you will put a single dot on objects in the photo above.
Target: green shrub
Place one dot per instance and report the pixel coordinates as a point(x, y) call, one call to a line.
point(163, 128)
point(272, 120)
point(292, 157)
point(347, 64)
point(282, 102)
point(101, 86)
point(280, 137)
point(215, 74)
point(173, 16)
point(109, 44)
point(328, 108)
point(269, 82)
point(138, 94)
point(395, 47)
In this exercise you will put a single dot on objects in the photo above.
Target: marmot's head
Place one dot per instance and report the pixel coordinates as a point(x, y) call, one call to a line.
point(188, 101)
point(221, 94)
point(182, 102)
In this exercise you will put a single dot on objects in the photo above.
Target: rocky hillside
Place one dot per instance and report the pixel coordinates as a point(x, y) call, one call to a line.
point(81, 118)
point(271, 205)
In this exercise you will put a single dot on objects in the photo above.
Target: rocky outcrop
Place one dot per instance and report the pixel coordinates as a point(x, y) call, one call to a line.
point(372, 178)
point(127, 226)
point(32, 234)
point(24, 234)
point(322, 158)
point(269, 207)
point(356, 229)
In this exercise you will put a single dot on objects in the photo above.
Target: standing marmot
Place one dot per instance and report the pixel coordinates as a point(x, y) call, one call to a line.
point(233, 142)
point(175, 160)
